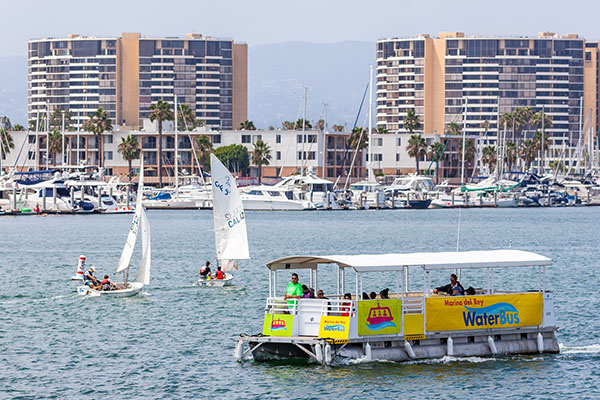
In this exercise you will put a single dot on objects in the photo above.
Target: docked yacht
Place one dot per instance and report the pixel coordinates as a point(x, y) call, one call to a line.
point(366, 194)
point(412, 191)
point(272, 198)
point(309, 187)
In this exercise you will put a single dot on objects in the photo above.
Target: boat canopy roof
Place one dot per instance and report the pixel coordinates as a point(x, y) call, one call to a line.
point(428, 261)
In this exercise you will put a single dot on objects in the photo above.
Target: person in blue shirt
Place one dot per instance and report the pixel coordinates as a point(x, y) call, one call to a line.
point(90, 280)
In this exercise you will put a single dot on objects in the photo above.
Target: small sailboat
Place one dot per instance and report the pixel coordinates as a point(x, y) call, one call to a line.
point(142, 278)
point(231, 237)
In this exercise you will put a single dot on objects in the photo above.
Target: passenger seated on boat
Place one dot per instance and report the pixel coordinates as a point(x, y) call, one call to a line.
point(384, 294)
point(90, 280)
point(220, 274)
point(345, 307)
point(321, 295)
point(470, 291)
point(373, 295)
point(108, 285)
point(305, 292)
point(457, 291)
point(205, 271)
point(365, 296)
point(448, 289)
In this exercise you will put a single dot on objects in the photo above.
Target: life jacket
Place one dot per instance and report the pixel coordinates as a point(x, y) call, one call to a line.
point(220, 275)
point(345, 308)
point(106, 285)
point(88, 275)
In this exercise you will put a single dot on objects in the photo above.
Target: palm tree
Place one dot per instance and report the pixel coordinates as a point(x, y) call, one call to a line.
point(18, 128)
point(453, 129)
point(435, 153)
point(247, 125)
point(186, 118)
point(130, 150)
point(338, 128)
point(489, 156)
point(528, 152)
point(469, 150)
point(301, 122)
point(412, 122)
point(510, 154)
point(261, 156)
point(359, 140)
point(557, 165)
point(417, 148)
point(381, 129)
point(6, 141)
point(54, 144)
point(98, 124)
point(161, 111)
point(204, 147)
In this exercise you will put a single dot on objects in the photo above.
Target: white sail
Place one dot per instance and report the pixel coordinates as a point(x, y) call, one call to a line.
point(133, 229)
point(143, 273)
point(231, 238)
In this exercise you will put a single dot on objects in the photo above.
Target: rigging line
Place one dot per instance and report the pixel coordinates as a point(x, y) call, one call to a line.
point(287, 150)
point(200, 172)
point(354, 126)
point(21, 149)
point(362, 131)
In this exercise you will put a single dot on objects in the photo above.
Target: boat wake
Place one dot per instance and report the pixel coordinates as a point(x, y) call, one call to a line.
point(589, 349)
point(443, 360)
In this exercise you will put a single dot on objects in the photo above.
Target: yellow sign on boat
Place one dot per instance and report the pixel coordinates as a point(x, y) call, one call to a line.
point(278, 325)
point(451, 313)
point(334, 327)
point(379, 317)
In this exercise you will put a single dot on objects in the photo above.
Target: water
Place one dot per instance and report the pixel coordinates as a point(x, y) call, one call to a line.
point(177, 341)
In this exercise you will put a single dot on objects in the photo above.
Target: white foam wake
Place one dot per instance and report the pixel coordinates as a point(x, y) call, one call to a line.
point(589, 349)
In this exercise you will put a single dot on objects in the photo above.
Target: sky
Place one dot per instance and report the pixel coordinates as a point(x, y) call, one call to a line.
point(259, 22)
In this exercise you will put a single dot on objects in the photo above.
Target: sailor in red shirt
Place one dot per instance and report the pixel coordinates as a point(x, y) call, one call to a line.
point(220, 274)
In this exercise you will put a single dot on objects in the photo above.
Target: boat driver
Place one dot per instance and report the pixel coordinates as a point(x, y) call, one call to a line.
point(90, 280)
point(453, 288)
point(293, 291)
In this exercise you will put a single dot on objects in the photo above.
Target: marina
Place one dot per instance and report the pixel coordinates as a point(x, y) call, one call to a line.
point(194, 326)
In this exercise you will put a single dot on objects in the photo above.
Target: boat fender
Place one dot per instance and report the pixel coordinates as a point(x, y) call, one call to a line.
point(492, 345)
point(327, 354)
point(450, 346)
point(540, 342)
point(409, 350)
point(239, 350)
point(368, 355)
point(319, 353)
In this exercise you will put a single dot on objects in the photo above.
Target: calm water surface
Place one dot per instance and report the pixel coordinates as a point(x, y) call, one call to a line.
point(177, 341)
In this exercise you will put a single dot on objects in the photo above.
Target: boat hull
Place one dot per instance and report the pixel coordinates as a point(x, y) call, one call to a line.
point(133, 289)
point(215, 282)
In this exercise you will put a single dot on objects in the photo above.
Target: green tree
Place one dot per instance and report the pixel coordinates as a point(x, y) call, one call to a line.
point(247, 125)
point(510, 154)
point(5, 123)
point(538, 141)
point(321, 125)
point(381, 129)
point(434, 153)
point(56, 117)
point(55, 144)
point(528, 152)
point(412, 122)
point(235, 157)
point(359, 139)
point(18, 128)
point(469, 150)
point(453, 129)
point(98, 124)
point(203, 147)
point(160, 111)
point(261, 156)
point(288, 125)
point(130, 150)
point(489, 156)
point(417, 148)
point(6, 141)
point(557, 165)
point(186, 118)
point(301, 122)
point(338, 128)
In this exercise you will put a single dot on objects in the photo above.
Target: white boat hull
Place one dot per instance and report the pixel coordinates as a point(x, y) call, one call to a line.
point(215, 282)
point(132, 289)
point(275, 205)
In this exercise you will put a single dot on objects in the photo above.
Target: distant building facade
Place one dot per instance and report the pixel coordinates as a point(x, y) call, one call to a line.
point(436, 77)
point(125, 74)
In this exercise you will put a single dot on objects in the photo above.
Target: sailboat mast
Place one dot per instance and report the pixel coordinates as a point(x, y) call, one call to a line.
point(176, 151)
point(303, 131)
point(369, 127)
point(464, 140)
point(542, 147)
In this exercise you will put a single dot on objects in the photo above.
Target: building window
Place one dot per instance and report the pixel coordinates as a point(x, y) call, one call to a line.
point(398, 142)
point(31, 139)
point(379, 142)
point(246, 138)
point(108, 155)
point(306, 155)
point(108, 171)
point(149, 142)
point(277, 138)
point(256, 138)
point(397, 157)
point(278, 155)
point(216, 139)
point(108, 139)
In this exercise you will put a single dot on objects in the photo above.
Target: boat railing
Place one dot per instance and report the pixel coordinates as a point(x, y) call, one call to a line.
point(322, 307)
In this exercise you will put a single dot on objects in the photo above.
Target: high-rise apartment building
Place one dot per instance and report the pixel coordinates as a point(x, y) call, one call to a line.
point(124, 75)
point(436, 77)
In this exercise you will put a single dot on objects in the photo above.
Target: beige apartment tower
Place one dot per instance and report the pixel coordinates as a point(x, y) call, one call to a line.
point(125, 75)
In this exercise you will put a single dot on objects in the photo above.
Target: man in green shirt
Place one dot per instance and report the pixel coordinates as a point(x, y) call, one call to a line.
point(293, 291)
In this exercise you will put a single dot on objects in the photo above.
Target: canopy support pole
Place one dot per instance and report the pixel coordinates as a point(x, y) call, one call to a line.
point(398, 284)
point(338, 279)
point(357, 283)
point(271, 283)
